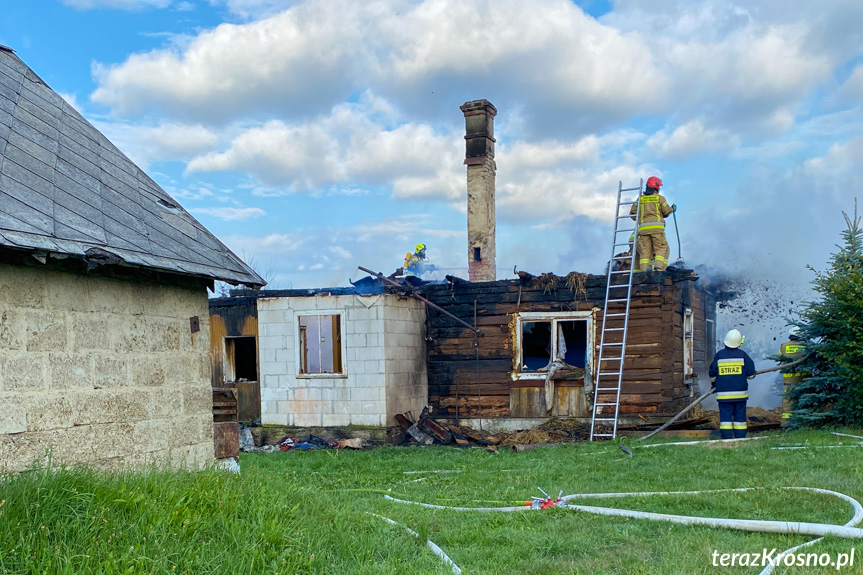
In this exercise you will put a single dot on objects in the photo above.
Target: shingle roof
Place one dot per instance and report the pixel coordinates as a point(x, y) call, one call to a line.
point(64, 188)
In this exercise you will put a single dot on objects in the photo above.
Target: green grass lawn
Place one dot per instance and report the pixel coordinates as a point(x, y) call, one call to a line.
point(309, 512)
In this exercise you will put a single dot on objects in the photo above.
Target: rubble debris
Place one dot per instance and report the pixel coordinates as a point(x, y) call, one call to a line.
point(553, 431)
point(438, 431)
point(758, 419)
point(313, 442)
point(413, 430)
point(460, 438)
point(247, 441)
point(352, 443)
point(260, 449)
point(228, 464)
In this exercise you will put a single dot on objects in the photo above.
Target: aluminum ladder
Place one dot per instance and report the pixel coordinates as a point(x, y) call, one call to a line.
point(612, 342)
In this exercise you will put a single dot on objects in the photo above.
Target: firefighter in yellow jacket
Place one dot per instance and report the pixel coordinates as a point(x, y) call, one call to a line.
point(792, 348)
point(415, 265)
point(651, 245)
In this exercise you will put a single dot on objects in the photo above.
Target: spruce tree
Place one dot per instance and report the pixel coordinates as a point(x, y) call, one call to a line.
point(832, 327)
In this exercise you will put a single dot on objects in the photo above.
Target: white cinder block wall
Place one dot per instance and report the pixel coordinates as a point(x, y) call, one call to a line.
point(384, 361)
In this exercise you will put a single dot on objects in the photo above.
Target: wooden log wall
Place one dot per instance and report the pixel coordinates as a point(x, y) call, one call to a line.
point(235, 317)
point(476, 373)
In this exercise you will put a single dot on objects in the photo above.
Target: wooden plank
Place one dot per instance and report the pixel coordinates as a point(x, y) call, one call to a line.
point(527, 402)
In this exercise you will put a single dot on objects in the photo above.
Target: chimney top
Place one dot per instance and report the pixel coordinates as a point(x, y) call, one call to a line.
point(478, 107)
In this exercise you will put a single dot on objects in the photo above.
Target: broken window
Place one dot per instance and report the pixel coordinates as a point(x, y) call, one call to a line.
point(320, 344)
point(242, 359)
point(547, 337)
point(572, 342)
point(535, 345)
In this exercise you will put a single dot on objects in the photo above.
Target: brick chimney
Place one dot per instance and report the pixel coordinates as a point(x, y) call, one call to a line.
point(479, 159)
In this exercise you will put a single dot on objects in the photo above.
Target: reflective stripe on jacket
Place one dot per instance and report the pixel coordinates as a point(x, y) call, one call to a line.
point(654, 210)
point(793, 348)
point(414, 266)
point(729, 372)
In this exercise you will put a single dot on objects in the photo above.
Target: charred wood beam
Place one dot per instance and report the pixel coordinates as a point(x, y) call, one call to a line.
point(413, 293)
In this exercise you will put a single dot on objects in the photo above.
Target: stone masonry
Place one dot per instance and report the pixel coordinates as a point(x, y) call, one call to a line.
point(102, 371)
point(481, 170)
point(384, 362)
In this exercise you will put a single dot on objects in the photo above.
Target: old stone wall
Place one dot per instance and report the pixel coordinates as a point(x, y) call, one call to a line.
point(481, 221)
point(384, 369)
point(102, 371)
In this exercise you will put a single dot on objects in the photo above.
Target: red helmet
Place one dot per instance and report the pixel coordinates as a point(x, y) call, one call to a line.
point(654, 182)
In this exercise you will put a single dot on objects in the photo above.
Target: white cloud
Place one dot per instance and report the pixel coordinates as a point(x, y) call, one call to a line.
point(230, 214)
point(841, 160)
point(254, 8)
point(559, 196)
point(852, 89)
point(167, 141)
point(744, 68)
point(340, 252)
point(119, 4)
point(329, 256)
point(199, 193)
point(268, 245)
point(550, 153)
point(691, 139)
point(278, 154)
point(72, 100)
point(401, 47)
point(344, 151)
point(275, 63)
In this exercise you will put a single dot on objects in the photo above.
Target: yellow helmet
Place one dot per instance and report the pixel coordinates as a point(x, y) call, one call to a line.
point(420, 247)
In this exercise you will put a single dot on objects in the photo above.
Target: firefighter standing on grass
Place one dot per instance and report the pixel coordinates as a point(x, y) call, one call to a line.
point(792, 348)
point(729, 372)
point(652, 247)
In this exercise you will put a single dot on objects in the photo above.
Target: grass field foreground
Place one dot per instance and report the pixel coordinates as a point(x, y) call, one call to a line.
point(310, 512)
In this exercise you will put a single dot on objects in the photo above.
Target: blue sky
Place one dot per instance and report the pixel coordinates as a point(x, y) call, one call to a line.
point(314, 136)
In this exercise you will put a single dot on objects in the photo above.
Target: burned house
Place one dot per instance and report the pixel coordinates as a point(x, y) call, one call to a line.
point(529, 324)
point(103, 296)
point(538, 356)
point(335, 357)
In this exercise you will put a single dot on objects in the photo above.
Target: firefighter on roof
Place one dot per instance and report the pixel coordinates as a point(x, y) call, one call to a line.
point(793, 348)
point(416, 264)
point(652, 247)
point(729, 372)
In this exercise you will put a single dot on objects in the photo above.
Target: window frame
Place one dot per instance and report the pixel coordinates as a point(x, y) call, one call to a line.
point(297, 352)
point(688, 344)
point(554, 317)
point(229, 358)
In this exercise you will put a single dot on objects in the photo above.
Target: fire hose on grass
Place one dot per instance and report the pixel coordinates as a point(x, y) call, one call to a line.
point(847, 531)
point(709, 393)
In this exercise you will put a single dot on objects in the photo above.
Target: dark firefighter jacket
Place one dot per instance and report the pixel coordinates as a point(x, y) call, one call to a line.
point(729, 371)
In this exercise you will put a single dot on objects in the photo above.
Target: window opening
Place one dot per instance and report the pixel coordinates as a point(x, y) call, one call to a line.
point(535, 345)
point(477, 254)
point(320, 344)
point(572, 342)
point(544, 341)
point(241, 353)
